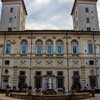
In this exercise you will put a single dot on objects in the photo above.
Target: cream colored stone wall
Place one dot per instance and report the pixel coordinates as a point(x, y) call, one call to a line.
point(67, 63)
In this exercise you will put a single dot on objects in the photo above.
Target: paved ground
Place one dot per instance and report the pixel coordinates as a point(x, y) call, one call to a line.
point(97, 97)
point(2, 97)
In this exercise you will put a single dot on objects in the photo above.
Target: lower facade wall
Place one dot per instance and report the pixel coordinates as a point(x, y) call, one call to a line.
point(13, 77)
point(0, 78)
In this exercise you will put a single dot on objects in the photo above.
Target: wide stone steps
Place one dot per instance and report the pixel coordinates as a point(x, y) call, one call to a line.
point(77, 96)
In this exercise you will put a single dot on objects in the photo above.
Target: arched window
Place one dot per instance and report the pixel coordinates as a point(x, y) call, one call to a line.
point(49, 48)
point(75, 47)
point(39, 47)
point(59, 47)
point(24, 47)
point(8, 48)
point(90, 48)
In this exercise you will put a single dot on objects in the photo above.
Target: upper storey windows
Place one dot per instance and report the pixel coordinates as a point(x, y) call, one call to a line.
point(75, 47)
point(87, 20)
point(90, 48)
point(59, 47)
point(24, 47)
point(11, 10)
point(87, 10)
point(39, 47)
point(10, 20)
point(49, 47)
point(8, 48)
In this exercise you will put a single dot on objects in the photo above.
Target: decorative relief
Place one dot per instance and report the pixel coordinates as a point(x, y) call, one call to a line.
point(33, 37)
point(54, 37)
point(11, 41)
point(75, 61)
point(8, 41)
point(64, 37)
point(69, 37)
point(78, 37)
point(23, 61)
point(19, 37)
point(38, 62)
point(60, 62)
point(49, 62)
point(15, 67)
point(92, 72)
point(29, 37)
point(44, 37)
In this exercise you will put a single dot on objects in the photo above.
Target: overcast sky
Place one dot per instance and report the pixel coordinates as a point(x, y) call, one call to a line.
point(50, 14)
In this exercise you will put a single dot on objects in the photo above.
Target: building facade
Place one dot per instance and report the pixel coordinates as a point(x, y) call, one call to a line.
point(38, 57)
point(58, 60)
point(13, 15)
point(85, 16)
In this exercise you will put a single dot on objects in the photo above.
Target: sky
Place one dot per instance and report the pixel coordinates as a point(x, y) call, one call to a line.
point(50, 14)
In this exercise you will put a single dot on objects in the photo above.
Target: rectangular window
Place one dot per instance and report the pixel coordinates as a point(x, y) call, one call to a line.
point(39, 50)
point(60, 82)
point(11, 10)
point(9, 28)
point(38, 82)
point(91, 62)
point(5, 80)
point(49, 50)
point(24, 50)
point(74, 50)
point(59, 50)
point(7, 62)
point(22, 72)
point(90, 48)
point(8, 49)
point(60, 73)
point(60, 79)
point(88, 29)
point(49, 72)
point(10, 20)
point(76, 73)
point(87, 20)
point(87, 10)
point(38, 73)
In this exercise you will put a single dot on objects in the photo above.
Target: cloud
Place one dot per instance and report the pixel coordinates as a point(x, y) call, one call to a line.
point(53, 13)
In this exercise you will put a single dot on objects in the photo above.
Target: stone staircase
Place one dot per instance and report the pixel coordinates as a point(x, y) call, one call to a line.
point(77, 96)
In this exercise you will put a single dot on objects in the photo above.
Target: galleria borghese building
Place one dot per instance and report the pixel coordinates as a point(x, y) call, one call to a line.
point(50, 59)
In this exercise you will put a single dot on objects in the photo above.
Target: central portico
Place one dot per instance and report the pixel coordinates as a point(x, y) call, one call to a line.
point(49, 82)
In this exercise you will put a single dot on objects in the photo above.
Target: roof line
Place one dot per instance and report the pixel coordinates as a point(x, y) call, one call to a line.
point(17, 0)
point(79, 0)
